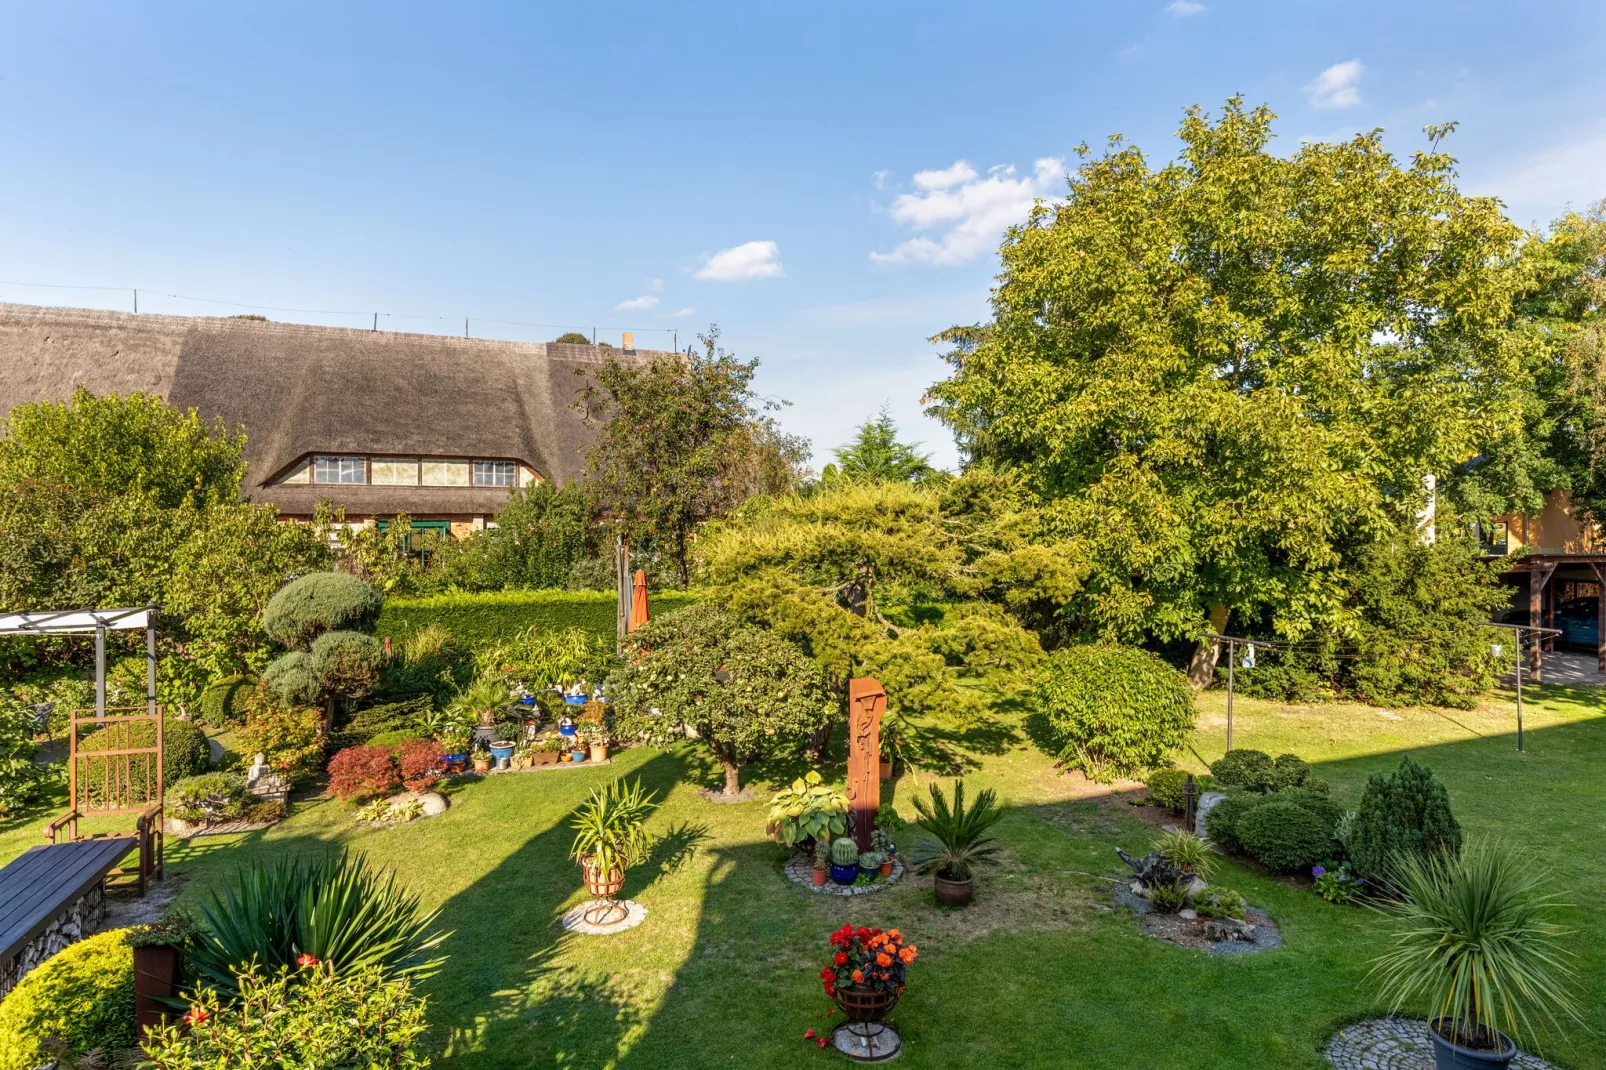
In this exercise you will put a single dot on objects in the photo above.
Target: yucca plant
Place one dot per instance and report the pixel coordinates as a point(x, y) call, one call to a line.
point(958, 841)
point(610, 832)
point(1187, 852)
point(481, 700)
point(333, 908)
point(1472, 938)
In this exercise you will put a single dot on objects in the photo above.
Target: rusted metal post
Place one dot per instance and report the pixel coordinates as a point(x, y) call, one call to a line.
point(1190, 794)
point(867, 702)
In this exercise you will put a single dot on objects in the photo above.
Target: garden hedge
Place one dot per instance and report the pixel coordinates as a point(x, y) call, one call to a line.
point(221, 701)
point(482, 618)
point(1112, 710)
point(83, 995)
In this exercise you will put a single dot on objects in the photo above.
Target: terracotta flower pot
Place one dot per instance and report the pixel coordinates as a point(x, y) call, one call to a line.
point(886, 868)
point(819, 876)
point(603, 885)
point(953, 893)
point(886, 769)
point(482, 765)
point(599, 752)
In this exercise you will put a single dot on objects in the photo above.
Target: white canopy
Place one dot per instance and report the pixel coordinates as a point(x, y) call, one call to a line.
point(74, 620)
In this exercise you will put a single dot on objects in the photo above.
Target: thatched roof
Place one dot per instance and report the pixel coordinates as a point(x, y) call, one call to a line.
point(298, 390)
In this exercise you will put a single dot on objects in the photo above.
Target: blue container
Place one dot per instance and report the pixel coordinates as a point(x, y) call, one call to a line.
point(566, 729)
point(845, 874)
point(575, 700)
point(527, 700)
point(502, 754)
point(578, 756)
point(449, 759)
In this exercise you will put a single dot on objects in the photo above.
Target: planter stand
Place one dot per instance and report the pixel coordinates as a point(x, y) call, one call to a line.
point(867, 1042)
point(575, 920)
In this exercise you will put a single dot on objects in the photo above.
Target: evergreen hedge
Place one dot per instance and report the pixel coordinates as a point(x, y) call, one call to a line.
point(1406, 812)
point(83, 995)
point(482, 618)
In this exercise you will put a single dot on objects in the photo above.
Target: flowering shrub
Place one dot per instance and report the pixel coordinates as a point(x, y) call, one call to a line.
point(306, 1017)
point(420, 762)
point(867, 958)
point(1337, 885)
point(362, 772)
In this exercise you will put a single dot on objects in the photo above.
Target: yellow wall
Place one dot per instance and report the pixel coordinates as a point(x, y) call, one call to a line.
point(1553, 531)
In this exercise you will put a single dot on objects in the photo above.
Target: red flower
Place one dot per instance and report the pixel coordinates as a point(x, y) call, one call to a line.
point(306, 960)
point(808, 1034)
point(820, 1041)
point(840, 958)
point(197, 1016)
point(863, 934)
point(827, 974)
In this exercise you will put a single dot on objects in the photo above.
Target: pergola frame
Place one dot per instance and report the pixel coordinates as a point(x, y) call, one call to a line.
point(95, 622)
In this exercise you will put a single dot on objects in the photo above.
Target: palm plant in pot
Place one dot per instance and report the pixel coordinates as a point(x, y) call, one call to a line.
point(958, 841)
point(610, 835)
point(1471, 937)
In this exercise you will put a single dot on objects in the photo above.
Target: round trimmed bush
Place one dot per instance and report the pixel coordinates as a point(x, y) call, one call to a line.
point(1284, 836)
point(1113, 710)
point(347, 663)
point(83, 995)
point(222, 702)
point(1289, 771)
point(1406, 812)
point(185, 752)
point(320, 602)
point(1221, 823)
point(1168, 787)
point(1250, 769)
point(292, 680)
point(208, 797)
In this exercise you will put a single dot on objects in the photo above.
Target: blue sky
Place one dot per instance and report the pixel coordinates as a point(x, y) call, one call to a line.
point(827, 182)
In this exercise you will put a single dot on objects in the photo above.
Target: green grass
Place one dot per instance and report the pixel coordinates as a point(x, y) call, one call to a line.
point(1036, 973)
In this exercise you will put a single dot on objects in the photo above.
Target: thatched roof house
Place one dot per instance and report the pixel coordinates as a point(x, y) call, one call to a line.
point(375, 421)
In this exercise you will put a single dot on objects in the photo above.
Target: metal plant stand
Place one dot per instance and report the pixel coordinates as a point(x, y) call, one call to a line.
point(867, 1042)
point(608, 911)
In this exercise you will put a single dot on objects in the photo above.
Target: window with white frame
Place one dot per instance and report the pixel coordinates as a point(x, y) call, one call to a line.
point(495, 473)
point(339, 469)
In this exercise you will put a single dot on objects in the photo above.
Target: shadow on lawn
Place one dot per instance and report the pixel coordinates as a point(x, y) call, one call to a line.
point(504, 998)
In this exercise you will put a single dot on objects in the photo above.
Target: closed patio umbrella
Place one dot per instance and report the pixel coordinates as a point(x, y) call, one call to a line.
point(638, 600)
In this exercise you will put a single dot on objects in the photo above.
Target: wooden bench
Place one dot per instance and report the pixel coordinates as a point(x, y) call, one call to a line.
point(37, 888)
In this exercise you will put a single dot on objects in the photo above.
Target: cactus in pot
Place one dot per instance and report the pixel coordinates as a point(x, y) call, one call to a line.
point(844, 860)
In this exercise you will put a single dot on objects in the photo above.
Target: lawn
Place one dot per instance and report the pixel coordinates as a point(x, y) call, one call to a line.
point(1038, 972)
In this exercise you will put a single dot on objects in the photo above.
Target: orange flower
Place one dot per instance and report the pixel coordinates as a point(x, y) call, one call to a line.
point(895, 934)
point(307, 960)
point(858, 977)
point(907, 955)
point(883, 959)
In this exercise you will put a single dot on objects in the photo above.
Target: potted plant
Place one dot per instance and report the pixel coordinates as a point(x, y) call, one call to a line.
point(158, 966)
point(482, 761)
point(891, 748)
point(544, 750)
point(454, 743)
point(867, 971)
point(479, 703)
point(578, 751)
point(844, 860)
point(807, 811)
point(595, 737)
point(610, 835)
point(870, 862)
point(958, 842)
point(882, 844)
point(822, 863)
point(1472, 938)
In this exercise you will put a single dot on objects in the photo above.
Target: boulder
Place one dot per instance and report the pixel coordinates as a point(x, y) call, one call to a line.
point(1221, 930)
point(434, 802)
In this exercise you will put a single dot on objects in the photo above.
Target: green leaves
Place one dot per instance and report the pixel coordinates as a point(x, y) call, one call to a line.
point(808, 808)
point(958, 842)
point(610, 833)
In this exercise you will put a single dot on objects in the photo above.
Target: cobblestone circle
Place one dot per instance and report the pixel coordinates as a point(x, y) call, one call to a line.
point(800, 870)
point(575, 921)
point(1396, 1044)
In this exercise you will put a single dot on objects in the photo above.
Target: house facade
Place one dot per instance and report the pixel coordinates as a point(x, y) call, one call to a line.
point(1557, 577)
point(377, 423)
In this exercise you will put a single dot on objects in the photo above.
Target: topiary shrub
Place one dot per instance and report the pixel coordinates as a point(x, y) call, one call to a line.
point(185, 751)
point(1113, 710)
point(83, 995)
point(349, 664)
point(1284, 836)
point(1289, 771)
point(208, 797)
point(292, 680)
point(1223, 823)
point(320, 602)
point(363, 772)
point(1168, 787)
point(222, 701)
point(1252, 770)
point(1406, 812)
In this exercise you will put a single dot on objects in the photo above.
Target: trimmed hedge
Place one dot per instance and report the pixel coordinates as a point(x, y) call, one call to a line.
point(83, 994)
point(221, 701)
point(1223, 823)
point(487, 617)
point(1284, 836)
point(1112, 711)
point(1168, 787)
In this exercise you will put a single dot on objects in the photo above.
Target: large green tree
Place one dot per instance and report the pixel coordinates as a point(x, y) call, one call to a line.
point(680, 440)
point(1221, 370)
point(874, 453)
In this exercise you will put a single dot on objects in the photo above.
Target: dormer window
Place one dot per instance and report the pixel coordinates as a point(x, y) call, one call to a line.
point(495, 473)
point(339, 469)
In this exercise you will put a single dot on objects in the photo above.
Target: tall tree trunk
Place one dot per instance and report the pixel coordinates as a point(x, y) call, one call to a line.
point(820, 742)
point(1202, 669)
point(733, 779)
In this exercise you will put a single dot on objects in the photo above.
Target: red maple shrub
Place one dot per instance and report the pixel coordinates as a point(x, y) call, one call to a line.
point(420, 761)
point(362, 772)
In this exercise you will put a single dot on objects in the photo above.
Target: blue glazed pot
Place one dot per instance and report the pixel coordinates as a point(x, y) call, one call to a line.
point(579, 756)
point(451, 759)
point(502, 753)
point(845, 874)
point(566, 730)
point(528, 700)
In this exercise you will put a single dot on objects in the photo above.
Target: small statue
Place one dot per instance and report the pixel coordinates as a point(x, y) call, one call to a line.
point(260, 769)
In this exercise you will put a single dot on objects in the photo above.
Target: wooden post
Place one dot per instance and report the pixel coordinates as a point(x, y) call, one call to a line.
point(1538, 576)
point(867, 702)
point(1600, 617)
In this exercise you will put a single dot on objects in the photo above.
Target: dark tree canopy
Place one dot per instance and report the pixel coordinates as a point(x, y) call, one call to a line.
point(572, 338)
point(874, 453)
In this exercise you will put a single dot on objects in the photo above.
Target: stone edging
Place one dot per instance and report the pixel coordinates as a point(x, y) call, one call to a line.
point(800, 869)
point(1396, 1044)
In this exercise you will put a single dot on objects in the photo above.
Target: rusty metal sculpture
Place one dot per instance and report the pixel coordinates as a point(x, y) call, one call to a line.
point(867, 702)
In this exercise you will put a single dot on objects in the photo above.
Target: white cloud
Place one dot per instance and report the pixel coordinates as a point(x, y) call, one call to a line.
point(881, 179)
point(1184, 8)
point(682, 312)
point(750, 260)
point(644, 301)
point(656, 285)
point(1546, 181)
point(961, 215)
point(1336, 86)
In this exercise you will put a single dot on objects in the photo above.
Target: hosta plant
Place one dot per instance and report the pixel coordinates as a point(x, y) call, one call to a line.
point(808, 809)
